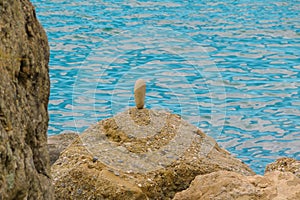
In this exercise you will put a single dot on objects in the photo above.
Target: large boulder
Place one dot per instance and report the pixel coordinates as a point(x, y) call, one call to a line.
point(231, 185)
point(138, 154)
point(24, 92)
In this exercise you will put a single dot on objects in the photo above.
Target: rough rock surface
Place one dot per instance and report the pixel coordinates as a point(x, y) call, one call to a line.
point(58, 143)
point(285, 165)
point(230, 185)
point(138, 154)
point(24, 92)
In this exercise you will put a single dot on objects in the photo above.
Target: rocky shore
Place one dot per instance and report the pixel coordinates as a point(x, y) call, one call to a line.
point(152, 154)
point(137, 154)
point(94, 165)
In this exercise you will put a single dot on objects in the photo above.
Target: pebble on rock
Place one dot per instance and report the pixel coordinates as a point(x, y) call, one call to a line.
point(139, 93)
point(95, 159)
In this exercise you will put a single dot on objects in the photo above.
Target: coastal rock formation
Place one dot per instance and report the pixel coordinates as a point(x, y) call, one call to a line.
point(58, 143)
point(138, 154)
point(231, 185)
point(24, 92)
point(285, 165)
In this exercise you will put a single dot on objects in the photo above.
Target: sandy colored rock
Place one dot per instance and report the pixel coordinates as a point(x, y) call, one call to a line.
point(58, 143)
point(139, 93)
point(231, 186)
point(24, 93)
point(285, 165)
point(138, 154)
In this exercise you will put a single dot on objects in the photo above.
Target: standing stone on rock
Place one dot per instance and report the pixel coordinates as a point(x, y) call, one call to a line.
point(24, 94)
point(139, 93)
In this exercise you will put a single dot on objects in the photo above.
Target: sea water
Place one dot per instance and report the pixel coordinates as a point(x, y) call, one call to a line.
point(232, 68)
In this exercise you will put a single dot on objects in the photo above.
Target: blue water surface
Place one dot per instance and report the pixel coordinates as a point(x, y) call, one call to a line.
point(232, 68)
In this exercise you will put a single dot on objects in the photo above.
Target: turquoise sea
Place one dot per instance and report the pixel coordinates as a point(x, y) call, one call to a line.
point(232, 68)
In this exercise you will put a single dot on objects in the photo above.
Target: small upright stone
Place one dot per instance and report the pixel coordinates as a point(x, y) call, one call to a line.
point(139, 93)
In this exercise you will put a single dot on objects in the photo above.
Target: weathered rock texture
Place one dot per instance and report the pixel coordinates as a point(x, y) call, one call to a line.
point(138, 154)
point(24, 92)
point(285, 165)
point(58, 143)
point(230, 185)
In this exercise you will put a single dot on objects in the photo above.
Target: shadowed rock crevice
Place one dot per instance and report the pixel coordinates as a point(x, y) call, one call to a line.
point(58, 143)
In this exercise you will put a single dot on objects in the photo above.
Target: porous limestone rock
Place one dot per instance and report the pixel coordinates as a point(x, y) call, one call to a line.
point(231, 185)
point(24, 93)
point(285, 165)
point(138, 154)
point(139, 93)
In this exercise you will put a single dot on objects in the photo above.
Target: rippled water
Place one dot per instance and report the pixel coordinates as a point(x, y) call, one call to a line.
point(231, 68)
